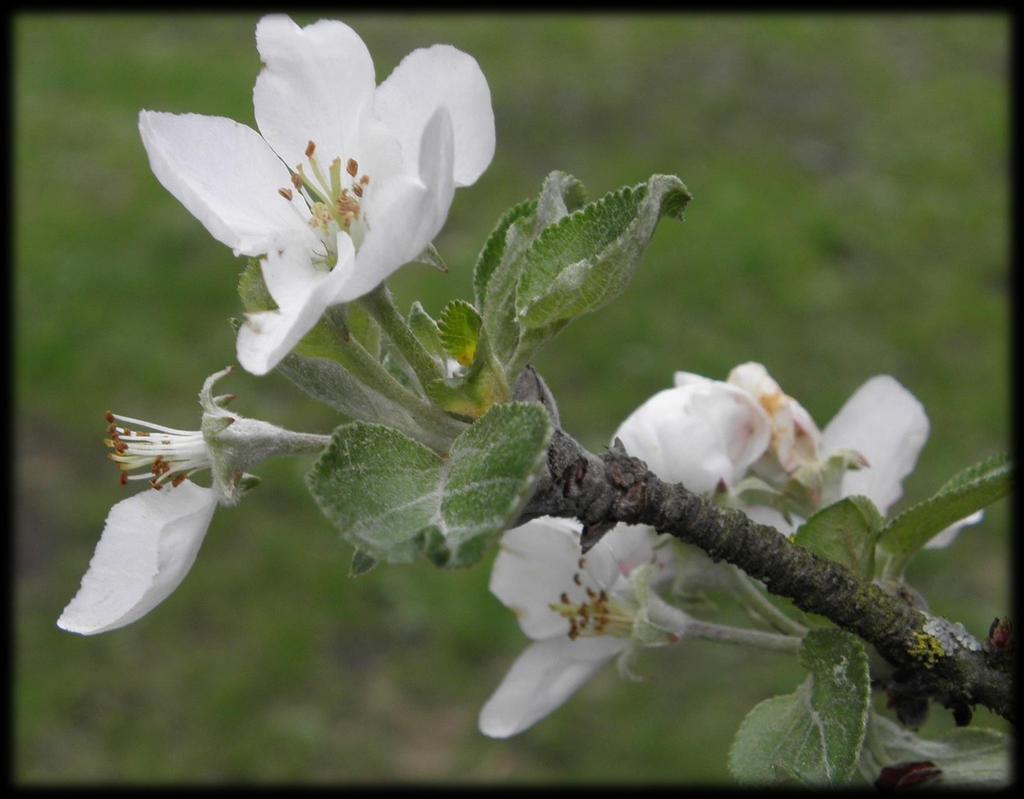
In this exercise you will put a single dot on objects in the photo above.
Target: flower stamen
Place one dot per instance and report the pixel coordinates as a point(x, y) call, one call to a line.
point(598, 615)
point(159, 455)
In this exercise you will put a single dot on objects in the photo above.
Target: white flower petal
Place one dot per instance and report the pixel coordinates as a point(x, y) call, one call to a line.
point(633, 545)
point(405, 214)
point(698, 434)
point(536, 565)
point(681, 379)
point(427, 79)
point(887, 425)
point(225, 175)
point(149, 543)
point(946, 537)
point(542, 679)
point(316, 85)
point(302, 293)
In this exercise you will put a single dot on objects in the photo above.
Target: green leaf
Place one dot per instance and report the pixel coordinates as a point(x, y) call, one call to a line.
point(363, 328)
point(459, 328)
point(968, 756)
point(815, 734)
point(585, 260)
point(491, 255)
point(393, 498)
point(968, 491)
point(500, 265)
point(426, 331)
point(431, 257)
point(845, 533)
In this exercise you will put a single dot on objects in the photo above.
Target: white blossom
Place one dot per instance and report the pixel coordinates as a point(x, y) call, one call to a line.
point(345, 181)
point(150, 540)
point(580, 611)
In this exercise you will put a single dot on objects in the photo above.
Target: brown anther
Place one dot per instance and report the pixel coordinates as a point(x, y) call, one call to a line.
point(576, 578)
point(352, 167)
point(155, 485)
point(590, 592)
point(109, 417)
point(573, 634)
point(364, 180)
point(603, 596)
point(297, 181)
point(564, 597)
point(583, 563)
point(357, 190)
point(142, 433)
point(310, 149)
point(286, 193)
point(177, 481)
point(124, 478)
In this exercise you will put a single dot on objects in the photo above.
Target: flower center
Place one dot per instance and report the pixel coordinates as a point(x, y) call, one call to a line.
point(598, 614)
point(334, 198)
point(161, 456)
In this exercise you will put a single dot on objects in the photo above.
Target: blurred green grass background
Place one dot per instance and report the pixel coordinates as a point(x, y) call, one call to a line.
point(850, 177)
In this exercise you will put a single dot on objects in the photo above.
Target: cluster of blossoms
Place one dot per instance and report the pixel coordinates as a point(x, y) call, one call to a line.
point(714, 437)
point(345, 182)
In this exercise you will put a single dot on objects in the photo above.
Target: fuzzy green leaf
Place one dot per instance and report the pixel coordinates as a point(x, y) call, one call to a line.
point(814, 735)
point(846, 533)
point(459, 328)
point(394, 499)
point(426, 331)
point(587, 258)
point(498, 273)
point(966, 492)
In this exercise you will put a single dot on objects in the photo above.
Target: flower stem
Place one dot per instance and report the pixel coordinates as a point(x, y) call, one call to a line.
point(685, 626)
point(756, 601)
point(337, 344)
point(381, 306)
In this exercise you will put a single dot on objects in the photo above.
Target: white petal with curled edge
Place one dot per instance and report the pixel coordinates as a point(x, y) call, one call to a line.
point(316, 84)
point(302, 293)
point(432, 77)
point(888, 426)
point(681, 379)
point(226, 175)
point(697, 434)
point(405, 214)
point(542, 679)
point(149, 543)
point(536, 564)
point(946, 537)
